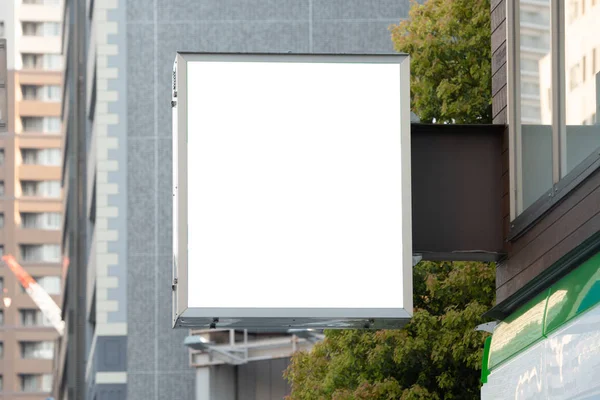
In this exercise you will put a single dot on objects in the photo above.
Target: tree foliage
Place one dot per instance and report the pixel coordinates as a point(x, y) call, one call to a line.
point(436, 356)
point(449, 42)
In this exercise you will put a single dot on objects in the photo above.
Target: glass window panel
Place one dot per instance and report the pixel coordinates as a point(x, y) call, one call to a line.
point(33, 317)
point(49, 157)
point(29, 28)
point(29, 92)
point(52, 61)
point(1, 220)
point(535, 105)
point(29, 188)
point(1, 157)
point(51, 124)
point(40, 253)
point(50, 29)
point(582, 86)
point(32, 61)
point(46, 384)
point(32, 124)
point(51, 93)
point(29, 156)
point(37, 350)
point(36, 383)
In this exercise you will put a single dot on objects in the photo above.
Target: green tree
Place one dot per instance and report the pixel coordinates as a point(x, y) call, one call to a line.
point(449, 42)
point(437, 355)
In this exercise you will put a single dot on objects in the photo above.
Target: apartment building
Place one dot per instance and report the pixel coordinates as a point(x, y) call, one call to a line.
point(30, 192)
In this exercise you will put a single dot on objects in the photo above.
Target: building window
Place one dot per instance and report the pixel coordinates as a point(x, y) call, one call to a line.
point(41, 93)
point(32, 124)
point(41, 124)
point(51, 93)
point(1, 283)
point(1, 157)
point(40, 253)
point(37, 350)
point(1, 188)
point(32, 317)
point(1, 350)
point(51, 284)
point(41, 29)
point(29, 92)
point(47, 220)
point(50, 62)
point(29, 28)
point(1, 250)
point(37, 383)
point(47, 189)
point(43, 2)
point(1, 220)
point(551, 141)
point(32, 61)
point(50, 157)
point(1, 28)
point(53, 62)
point(1, 317)
point(1, 383)
point(51, 125)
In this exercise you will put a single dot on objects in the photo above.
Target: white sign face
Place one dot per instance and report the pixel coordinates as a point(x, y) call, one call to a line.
point(298, 186)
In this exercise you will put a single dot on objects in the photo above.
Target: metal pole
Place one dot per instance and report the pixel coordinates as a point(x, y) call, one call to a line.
point(77, 189)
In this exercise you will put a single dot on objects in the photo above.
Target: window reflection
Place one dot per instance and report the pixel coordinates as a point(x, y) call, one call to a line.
point(535, 111)
point(582, 86)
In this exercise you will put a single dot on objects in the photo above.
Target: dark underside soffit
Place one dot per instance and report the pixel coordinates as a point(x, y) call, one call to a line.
point(457, 192)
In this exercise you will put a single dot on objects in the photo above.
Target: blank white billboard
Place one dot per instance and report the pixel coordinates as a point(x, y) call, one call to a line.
point(292, 191)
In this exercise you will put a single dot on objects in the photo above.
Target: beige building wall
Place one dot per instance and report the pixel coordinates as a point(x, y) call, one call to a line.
point(31, 202)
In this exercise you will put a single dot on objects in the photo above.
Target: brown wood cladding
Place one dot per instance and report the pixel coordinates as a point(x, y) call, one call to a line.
point(499, 80)
point(564, 228)
point(499, 77)
point(499, 102)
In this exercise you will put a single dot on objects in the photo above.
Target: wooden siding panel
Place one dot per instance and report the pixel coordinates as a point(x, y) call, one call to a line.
point(499, 80)
point(564, 226)
point(569, 243)
point(561, 230)
point(501, 117)
point(572, 200)
point(498, 16)
point(499, 101)
point(498, 36)
point(497, 3)
point(498, 57)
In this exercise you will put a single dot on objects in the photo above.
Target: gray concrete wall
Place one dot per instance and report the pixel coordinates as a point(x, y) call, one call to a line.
point(156, 30)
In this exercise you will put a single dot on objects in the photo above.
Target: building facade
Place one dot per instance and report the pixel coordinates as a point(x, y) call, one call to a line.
point(546, 344)
point(30, 192)
point(123, 189)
